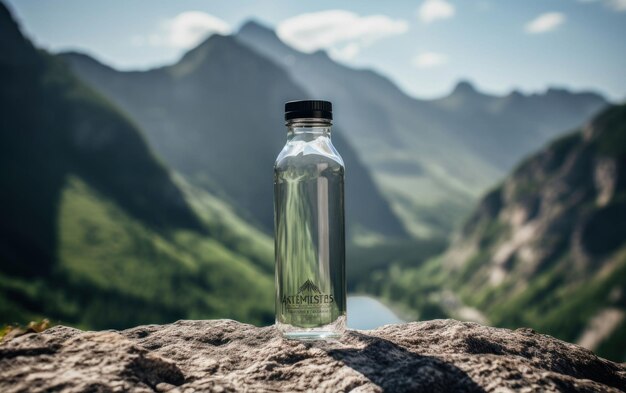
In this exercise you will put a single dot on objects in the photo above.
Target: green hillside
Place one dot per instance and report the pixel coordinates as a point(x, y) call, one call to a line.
point(545, 249)
point(552, 251)
point(113, 271)
point(95, 231)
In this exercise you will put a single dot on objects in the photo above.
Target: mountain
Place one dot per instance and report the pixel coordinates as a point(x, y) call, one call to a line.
point(431, 158)
point(216, 116)
point(545, 249)
point(505, 129)
point(95, 230)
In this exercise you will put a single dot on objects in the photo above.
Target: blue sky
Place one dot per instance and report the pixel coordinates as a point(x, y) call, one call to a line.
point(425, 46)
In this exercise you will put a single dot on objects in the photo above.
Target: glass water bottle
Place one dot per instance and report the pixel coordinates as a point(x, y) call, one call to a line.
point(309, 226)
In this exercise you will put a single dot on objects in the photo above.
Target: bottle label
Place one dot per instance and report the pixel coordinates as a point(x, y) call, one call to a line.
point(309, 301)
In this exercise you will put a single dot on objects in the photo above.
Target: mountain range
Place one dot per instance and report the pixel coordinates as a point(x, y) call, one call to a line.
point(544, 249)
point(95, 230)
point(431, 158)
point(216, 116)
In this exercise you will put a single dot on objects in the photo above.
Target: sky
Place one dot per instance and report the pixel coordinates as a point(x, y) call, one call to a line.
point(424, 46)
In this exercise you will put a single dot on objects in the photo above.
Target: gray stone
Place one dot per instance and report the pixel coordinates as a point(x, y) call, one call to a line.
point(227, 356)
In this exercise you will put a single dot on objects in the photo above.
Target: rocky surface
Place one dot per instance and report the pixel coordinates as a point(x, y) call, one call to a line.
point(224, 356)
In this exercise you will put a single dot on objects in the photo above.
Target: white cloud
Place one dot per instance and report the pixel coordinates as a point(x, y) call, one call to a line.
point(432, 10)
point(617, 5)
point(184, 31)
point(545, 22)
point(346, 52)
point(429, 60)
point(342, 33)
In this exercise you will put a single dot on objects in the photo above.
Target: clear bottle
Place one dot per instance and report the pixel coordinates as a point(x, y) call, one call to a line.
point(309, 226)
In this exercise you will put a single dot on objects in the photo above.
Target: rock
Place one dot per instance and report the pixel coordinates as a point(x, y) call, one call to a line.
point(227, 356)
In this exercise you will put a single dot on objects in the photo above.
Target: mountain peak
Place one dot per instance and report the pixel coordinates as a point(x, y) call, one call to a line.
point(211, 40)
point(8, 22)
point(16, 48)
point(75, 56)
point(464, 87)
point(557, 91)
point(253, 26)
point(262, 38)
point(215, 43)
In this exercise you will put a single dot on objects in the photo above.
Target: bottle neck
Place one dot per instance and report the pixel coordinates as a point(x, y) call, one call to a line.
point(308, 129)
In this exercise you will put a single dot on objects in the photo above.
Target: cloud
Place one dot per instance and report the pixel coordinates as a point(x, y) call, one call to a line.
point(432, 10)
point(346, 52)
point(545, 22)
point(616, 5)
point(342, 33)
point(429, 60)
point(184, 31)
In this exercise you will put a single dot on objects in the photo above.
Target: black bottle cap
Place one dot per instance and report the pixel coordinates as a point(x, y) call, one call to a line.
point(308, 109)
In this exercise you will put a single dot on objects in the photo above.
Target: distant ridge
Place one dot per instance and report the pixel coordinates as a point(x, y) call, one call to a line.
point(432, 158)
point(192, 114)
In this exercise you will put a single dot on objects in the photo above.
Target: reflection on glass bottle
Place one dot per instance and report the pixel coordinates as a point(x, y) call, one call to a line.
point(309, 226)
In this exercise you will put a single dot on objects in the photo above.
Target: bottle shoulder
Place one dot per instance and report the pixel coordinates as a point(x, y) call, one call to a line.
point(304, 153)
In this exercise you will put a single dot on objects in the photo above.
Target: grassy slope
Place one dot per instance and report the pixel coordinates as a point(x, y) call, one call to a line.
point(548, 303)
point(115, 272)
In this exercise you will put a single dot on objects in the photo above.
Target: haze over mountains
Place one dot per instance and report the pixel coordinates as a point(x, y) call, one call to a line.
point(431, 158)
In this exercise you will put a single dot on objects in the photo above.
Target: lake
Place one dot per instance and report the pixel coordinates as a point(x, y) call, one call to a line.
point(365, 312)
